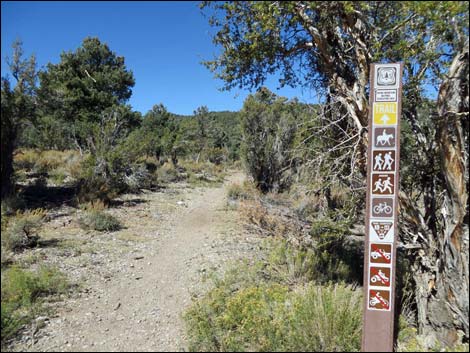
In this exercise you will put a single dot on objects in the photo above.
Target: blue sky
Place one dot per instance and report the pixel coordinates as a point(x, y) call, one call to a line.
point(163, 44)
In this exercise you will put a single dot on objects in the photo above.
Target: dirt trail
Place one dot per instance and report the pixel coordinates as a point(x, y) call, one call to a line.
point(138, 306)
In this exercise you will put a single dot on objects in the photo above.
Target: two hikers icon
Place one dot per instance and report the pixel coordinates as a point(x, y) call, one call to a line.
point(384, 163)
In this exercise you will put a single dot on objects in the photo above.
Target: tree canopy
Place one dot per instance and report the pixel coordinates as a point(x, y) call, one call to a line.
point(85, 84)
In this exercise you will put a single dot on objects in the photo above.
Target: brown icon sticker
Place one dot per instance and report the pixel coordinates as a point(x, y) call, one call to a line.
point(379, 299)
point(382, 207)
point(384, 137)
point(380, 253)
point(379, 276)
point(383, 160)
point(381, 231)
point(383, 184)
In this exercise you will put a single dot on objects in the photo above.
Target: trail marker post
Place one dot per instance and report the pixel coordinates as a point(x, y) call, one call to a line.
point(381, 207)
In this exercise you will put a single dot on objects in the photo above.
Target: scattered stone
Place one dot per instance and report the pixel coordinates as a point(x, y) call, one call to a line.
point(117, 306)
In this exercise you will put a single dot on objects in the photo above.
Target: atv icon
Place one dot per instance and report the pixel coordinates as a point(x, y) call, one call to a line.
point(380, 253)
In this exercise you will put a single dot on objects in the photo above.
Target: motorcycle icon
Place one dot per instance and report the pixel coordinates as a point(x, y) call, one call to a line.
point(377, 254)
point(380, 277)
point(383, 208)
point(378, 299)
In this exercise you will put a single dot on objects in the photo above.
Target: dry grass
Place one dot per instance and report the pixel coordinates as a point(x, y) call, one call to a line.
point(245, 191)
point(58, 165)
point(257, 218)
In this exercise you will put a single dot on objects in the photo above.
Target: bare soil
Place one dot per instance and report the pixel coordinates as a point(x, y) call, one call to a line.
point(135, 284)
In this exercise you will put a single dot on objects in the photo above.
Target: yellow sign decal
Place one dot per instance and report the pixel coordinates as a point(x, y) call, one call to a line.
point(385, 113)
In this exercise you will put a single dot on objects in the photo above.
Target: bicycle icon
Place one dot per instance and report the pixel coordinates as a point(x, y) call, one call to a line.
point(383, 208)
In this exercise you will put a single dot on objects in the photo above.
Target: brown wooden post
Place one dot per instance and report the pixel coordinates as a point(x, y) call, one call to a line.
point(381, 207)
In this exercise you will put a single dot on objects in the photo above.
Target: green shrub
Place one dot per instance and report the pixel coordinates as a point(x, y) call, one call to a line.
point(100, 221)
point(326, 319)
point(292, 265)
point(216, 155)
point(268, 125)
point(272, 318)
point(21, 230)
point(168, 173)
point(336, 260)
point(21, 293)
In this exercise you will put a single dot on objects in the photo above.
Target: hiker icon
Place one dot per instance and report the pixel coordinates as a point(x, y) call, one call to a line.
point(388, 160)
point(387, 185)
point(378, 162)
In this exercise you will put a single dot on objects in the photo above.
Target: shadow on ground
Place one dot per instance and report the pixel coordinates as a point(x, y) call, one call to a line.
point(48, 197)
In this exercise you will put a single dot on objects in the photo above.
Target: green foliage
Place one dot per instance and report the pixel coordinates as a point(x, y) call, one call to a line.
point(416, 171)
point(336, 259)
point(99, 220)
point(212, 136)
point(17, 109)
point(292, 265)
point(276, 304)
point(48, 133)
point(268, 125)
point(84, 85)
point(22, 230)
point(157, 127)
point(21, 293)
point(112, 163)
point(168, 173)
point(308, 43)
point(271, 318)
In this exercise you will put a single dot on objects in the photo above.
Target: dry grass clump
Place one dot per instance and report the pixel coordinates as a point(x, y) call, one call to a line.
point(57, 165)
point(245, 191)
point(256, 217)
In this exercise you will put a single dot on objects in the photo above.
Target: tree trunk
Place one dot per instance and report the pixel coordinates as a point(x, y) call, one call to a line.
point(441, 267)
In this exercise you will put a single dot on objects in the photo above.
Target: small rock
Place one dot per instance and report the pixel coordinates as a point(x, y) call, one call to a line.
point(117, 306)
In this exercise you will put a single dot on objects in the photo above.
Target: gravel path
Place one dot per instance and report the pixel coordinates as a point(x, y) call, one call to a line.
point(138, 282)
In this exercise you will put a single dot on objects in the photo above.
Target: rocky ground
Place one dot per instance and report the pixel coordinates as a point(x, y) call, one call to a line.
point(134, 284)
